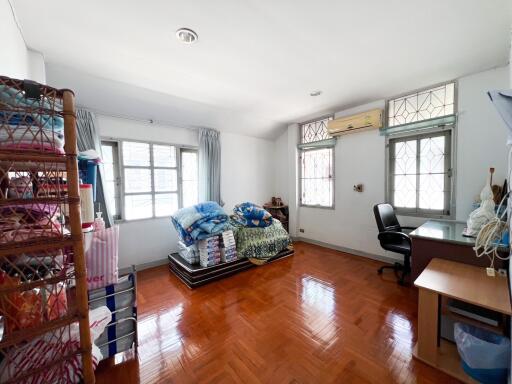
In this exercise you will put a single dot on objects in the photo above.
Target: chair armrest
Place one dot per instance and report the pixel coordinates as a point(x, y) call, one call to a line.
point(394, 237)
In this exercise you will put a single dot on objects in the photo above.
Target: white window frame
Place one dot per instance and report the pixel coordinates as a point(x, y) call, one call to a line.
point(117, 176)
point(121, 167)
point(333, 170)
point(450, 158)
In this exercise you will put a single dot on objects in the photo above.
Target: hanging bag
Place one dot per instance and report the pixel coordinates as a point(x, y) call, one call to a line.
point(101, 257)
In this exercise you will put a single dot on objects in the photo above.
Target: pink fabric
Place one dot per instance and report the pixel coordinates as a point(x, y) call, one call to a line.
point(35, 147)
point(51, 346)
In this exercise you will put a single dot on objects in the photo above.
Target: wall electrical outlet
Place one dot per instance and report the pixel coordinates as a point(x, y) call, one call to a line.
point(358, 187)
point(301, 230)
point(502, 272)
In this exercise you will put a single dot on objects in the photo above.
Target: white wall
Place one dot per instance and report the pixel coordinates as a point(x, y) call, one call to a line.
point(247, 170)
point(247, 175)
point(16, 60)
point(360, 158)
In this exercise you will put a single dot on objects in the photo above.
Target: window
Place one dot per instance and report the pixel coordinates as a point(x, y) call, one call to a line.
point(112, 180)
point(155, 179)
point(420, 156)
point(422, 105)
point(316, 154)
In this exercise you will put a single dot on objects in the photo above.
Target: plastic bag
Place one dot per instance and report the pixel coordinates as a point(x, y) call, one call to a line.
point(482, 349)
point(101, 258)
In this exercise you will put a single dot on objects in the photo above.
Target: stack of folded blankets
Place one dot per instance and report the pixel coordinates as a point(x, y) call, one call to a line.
point(29, 124)
point(209, 251)
point(252, 215)
point(228, 250)
point(199, 222)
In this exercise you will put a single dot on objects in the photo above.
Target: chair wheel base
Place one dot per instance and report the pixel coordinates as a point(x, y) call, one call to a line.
point(397, 267)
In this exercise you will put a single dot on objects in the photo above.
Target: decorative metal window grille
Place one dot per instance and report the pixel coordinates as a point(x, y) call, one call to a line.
point(422, 105)
point(316, 164)
point(317, 180)
point(316, 130)
point(420, 168)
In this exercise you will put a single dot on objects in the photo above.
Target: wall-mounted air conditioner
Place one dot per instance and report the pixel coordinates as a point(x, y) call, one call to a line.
point(356, 123)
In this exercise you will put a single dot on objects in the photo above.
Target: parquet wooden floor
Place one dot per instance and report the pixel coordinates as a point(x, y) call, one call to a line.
point(320, 316)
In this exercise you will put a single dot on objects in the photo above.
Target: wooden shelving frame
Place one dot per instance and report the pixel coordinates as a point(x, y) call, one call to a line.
point(69, 242)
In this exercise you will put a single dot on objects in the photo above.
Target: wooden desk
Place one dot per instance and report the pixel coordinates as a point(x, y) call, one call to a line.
point(458, 281)
point(444, 240)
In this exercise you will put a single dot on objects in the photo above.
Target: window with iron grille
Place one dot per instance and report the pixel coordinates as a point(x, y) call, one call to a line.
point(420, 128)
point(422, 105)
point(316, 156)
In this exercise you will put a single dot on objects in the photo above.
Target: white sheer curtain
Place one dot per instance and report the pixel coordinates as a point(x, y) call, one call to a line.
point(209, 165)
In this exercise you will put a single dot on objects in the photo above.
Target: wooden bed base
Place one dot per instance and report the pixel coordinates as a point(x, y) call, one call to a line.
point(194, 275)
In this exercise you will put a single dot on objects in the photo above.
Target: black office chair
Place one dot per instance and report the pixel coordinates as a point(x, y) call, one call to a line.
point(392, 238)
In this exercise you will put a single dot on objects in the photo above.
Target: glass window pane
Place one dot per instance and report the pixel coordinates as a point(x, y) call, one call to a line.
point(106, 154)
point(404, 194)
point(190, 178)
point(111, 196)
point(165, 204)
point(426, 104)
point(315, 131)
point(137, 180)
point(164, 156)
point(138, 206)
point(317, 182)
point(432, 191)
point(432, 155)
point(166, 180)
point(190, 193)
point(317, 192)
point(405, 157)
point(136, 154)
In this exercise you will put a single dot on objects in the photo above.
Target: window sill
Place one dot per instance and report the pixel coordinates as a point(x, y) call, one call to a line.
point(332, 208)
point(125, 221)
point(424, 215)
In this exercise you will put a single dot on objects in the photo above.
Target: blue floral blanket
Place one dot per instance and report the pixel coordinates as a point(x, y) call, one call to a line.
point(252, 215)
point(199, 221)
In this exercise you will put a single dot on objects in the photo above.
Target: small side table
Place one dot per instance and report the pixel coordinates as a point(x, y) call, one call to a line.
point(458, 281)
point(279, 212)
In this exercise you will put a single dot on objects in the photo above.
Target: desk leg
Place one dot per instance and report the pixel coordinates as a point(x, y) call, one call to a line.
point(428, 318)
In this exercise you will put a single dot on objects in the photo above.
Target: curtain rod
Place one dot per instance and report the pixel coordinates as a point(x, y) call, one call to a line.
point(138, 119)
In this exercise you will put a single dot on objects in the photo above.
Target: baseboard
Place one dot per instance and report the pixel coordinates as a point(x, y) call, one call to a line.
point(140, 267)
point(372, 256)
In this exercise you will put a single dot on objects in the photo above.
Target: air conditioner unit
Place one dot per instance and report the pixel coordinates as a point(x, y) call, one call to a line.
point(355, 123)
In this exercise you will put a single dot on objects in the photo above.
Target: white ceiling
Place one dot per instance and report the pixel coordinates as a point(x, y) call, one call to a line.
point(256, 61)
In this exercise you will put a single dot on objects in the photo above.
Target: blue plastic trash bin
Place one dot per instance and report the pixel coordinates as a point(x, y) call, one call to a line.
point(87, 170)
point(485, 355)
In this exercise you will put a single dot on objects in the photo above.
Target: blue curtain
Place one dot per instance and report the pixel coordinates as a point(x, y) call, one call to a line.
point(209, 165)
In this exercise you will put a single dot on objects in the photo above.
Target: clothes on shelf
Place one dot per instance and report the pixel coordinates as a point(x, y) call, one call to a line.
point(43, 349)
point(121, 299)
point(22, 222)
point(252, 215)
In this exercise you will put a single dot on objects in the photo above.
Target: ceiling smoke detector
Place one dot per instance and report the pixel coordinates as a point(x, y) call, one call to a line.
point(315, 93)
point(186, 35)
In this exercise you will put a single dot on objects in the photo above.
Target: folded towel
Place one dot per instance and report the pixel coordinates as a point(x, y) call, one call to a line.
point(252, 215)
point(199, 221)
